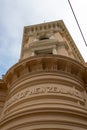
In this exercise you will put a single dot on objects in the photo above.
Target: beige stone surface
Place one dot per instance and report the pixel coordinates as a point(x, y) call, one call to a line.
point(47, 88)
point(47, 36)
point(3, 94)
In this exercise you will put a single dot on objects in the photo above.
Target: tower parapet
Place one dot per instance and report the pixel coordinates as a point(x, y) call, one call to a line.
point(49, 38)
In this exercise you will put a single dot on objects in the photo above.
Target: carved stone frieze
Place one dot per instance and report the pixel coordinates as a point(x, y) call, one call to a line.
point(29, 92)
point(46, 63)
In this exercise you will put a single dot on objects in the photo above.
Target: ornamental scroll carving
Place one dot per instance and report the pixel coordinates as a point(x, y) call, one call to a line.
point(44, 90)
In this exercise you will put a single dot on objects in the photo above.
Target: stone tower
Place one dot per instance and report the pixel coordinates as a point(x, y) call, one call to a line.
point(46, 89)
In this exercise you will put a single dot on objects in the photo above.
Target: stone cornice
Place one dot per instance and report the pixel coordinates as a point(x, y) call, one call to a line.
point(71, 41)
point(47, 63)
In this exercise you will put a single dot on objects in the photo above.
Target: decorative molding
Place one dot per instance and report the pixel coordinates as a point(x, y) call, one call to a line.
point(47, 63)
point(46, 90)
point(55, 26)
point(50, 28)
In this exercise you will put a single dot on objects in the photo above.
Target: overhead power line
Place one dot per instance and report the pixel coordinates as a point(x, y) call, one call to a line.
point(77, 23)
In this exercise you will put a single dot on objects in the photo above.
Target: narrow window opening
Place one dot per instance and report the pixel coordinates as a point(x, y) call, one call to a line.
point(43, 37)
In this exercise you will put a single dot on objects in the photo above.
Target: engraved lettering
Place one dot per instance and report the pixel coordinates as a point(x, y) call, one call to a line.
point(27, 93)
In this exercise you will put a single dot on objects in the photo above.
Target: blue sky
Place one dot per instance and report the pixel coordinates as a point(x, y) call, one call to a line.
point(15, 14)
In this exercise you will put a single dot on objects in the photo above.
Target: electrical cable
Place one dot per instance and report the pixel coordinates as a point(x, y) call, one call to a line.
point(77, 23)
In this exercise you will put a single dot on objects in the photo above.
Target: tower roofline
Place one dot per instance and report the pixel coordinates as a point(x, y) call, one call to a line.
point(61, 27)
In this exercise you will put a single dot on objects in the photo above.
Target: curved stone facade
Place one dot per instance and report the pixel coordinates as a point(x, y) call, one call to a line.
point(47, 88)
point(46, 92)
point(3, 94)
